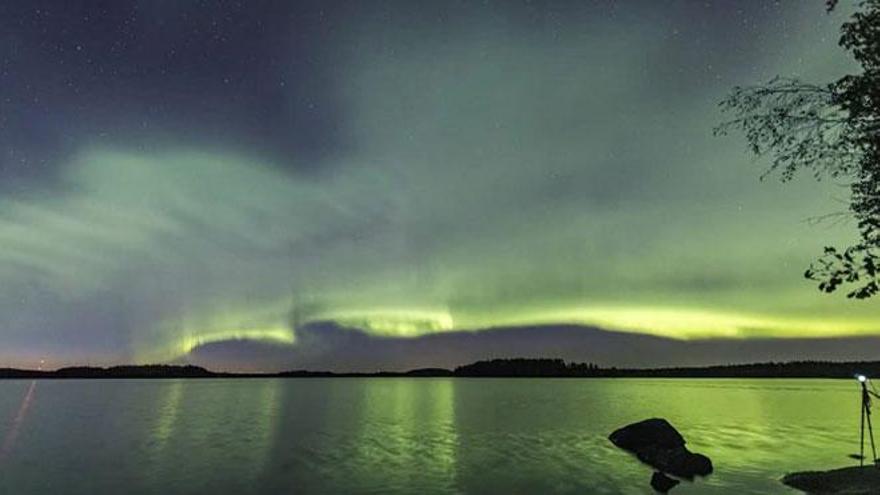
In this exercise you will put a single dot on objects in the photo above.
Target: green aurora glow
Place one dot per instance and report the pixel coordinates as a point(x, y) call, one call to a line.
point(497, 177)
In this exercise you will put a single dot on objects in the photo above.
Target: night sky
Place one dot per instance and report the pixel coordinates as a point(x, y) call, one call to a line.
point(362, 185)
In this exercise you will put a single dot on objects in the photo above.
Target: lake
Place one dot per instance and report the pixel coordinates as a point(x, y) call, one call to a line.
point(395, 436)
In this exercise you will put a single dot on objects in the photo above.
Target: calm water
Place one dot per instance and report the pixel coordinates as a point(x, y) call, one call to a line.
point(386, 436)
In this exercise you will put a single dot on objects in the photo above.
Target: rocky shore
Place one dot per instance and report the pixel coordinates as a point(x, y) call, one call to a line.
point(857, 480)
point(658, 444)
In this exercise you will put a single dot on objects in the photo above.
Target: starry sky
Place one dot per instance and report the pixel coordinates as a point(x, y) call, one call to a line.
point(362, 185)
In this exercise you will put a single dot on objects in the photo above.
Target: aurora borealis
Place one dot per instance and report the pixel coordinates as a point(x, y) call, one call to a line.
point(186, 174)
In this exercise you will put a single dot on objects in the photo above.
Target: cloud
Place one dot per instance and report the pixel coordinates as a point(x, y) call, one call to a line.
point(497, 172)
point(328, 346)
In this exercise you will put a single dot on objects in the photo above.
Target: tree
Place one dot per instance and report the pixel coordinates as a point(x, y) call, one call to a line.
point(832, 130)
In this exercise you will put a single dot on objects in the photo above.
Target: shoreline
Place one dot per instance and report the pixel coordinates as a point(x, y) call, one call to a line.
point(355, 377)
point(497, 368)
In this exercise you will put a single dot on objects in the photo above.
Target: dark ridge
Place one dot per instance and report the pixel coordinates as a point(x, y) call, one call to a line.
point(499, 368)
point(306, 374)
point(126, 371)
point(131, 371)
point(429, 372)
point(518, 367)
point(558, 368)
point(16, 373)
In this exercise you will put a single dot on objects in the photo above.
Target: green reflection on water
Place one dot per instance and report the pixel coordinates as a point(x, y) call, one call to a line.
point(401, 436)
point(167, 416)
point(405, 423)
point(232, 424)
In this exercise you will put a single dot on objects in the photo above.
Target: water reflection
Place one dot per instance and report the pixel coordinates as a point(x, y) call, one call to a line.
point(405, 423)
point(394, 436)
point(17, 420)
point(228, 423)
point(169, 408)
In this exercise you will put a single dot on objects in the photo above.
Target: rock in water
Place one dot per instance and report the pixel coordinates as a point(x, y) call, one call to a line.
point(654, 432)
point(663, 483)
point(657, 443)
point(850, 481)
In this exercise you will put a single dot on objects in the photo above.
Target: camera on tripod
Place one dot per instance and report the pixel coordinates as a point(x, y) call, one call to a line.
point(867, 394)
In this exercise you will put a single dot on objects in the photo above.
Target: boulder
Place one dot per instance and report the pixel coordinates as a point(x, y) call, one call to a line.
point(654, 432)
point(658, 444)
point(663, 483)
point(850, 481)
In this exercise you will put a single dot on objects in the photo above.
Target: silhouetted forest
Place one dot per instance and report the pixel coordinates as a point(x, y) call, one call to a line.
point(497, 368)
point(126, 371)
point(558, 368)
point(526, 368)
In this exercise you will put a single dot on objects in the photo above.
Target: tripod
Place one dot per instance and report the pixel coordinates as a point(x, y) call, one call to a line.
point(866, 418)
